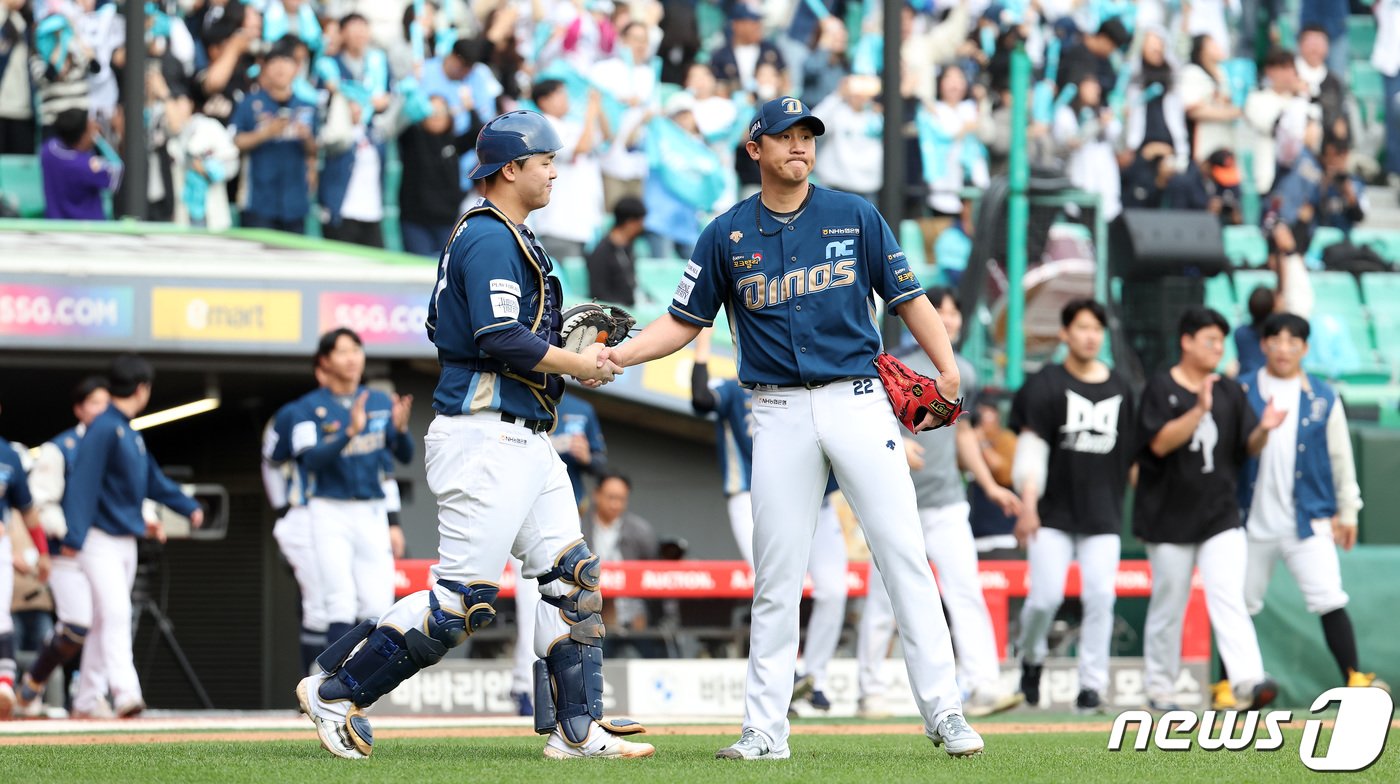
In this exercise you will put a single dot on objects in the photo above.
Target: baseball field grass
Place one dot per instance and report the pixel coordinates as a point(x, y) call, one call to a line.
point(820, 753)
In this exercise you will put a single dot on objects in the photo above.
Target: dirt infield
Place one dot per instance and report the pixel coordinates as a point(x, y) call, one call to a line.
point(263, 736)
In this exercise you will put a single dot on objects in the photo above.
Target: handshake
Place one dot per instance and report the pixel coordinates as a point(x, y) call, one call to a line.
point(601, 364)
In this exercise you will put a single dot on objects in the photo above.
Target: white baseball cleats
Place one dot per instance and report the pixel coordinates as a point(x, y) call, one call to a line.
point(958, 739)
point(753, 745)
point(332, 721)
point(600, 743)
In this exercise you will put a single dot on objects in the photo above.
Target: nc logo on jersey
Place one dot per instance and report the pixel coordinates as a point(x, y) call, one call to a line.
point(746, 262)
point(840, 249)
point(758, 291)
point(1090, 427)
point(840, 231)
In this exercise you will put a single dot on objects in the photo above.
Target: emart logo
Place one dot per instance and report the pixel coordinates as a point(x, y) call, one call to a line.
point(1358, 733)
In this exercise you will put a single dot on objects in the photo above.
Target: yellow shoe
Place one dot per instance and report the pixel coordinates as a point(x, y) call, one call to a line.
point(1222, 696)
point(1362, 679)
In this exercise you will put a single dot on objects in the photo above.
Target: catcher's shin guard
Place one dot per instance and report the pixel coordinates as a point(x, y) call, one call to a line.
point(569, 680)
point(389, 657)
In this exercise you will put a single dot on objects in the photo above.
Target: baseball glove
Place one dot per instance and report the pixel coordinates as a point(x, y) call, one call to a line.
point(913, 395)
point(592, 323)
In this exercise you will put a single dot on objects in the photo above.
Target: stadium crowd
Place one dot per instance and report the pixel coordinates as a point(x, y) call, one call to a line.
point(266, 112)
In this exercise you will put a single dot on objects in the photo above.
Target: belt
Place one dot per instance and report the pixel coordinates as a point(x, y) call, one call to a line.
point(533, 425)
point(802, 385)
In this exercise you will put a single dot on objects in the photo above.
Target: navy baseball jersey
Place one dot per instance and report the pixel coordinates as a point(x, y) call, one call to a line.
point(577, 417)
point(333, 464)
point(278, 450)
point(14, 485)
point(112, 474)
point(491, 276)
point(800, 296)
point(67, 443)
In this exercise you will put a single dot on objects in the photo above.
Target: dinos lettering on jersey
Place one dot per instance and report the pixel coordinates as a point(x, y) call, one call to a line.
point(758, 291)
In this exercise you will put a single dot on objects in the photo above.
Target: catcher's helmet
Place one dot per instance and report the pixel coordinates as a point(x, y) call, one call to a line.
point(510, 137)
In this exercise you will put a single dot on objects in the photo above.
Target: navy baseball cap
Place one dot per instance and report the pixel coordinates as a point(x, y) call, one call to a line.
point(780, 114)
point(742, 11)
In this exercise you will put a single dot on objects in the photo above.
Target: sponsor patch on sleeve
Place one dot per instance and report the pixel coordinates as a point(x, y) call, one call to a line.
point(897, 256)
point(505, 306)
point(508, 286)
point(905, 275)
point(692, 269)
point(303, 436)
point(683, 290)
point(840, 231)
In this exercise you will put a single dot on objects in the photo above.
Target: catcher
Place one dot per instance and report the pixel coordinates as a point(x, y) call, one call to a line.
point(501, 488)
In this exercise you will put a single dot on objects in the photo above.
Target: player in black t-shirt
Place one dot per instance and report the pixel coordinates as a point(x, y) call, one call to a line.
point(1071, 467)
point(1195, 430)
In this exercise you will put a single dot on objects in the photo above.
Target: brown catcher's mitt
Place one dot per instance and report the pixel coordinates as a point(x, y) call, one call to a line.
point(913, 395)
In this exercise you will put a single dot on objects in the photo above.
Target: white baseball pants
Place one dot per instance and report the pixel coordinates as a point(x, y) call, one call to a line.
point(293, 534)
point(109, 562)
point(354, 559)
point(1050, 553)
point(72, 593)
point(1313, 562)
point(501, 491)
point(800, 434)
point(1219, 558)
point(527, 600)
point(949, 544)
point(827, 566)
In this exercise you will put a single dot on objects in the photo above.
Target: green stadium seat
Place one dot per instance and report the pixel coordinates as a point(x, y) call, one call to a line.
point(1385, 242)
point(1369, 89)
point(657, 278)
point(22, 181)
point(911, 241)
point(1245, 246)
point(1335, 292)
point(1337, 297)
point(1382, 292)
point(1387, 322)
point(573, 279)
point(1220, 295)
point(1323, 238)
point(1361, 35)
point(1246, 281)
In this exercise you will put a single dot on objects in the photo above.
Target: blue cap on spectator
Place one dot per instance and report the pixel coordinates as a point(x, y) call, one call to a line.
point(780, 114)
point(744, 11)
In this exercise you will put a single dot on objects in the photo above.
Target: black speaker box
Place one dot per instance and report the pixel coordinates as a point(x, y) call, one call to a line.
point(1146, 244)
point(1150, 313)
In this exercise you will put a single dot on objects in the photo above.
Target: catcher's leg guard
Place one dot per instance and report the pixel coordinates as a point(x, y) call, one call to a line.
point(389, 656)
point(569, 680)
point(63, 645)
